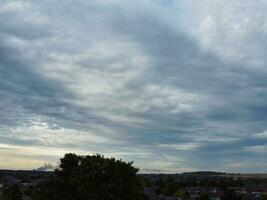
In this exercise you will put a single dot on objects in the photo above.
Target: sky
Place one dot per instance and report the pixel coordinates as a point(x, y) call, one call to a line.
point(174, 86)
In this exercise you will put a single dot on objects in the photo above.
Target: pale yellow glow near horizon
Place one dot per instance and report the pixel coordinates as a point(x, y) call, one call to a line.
point(28, 158)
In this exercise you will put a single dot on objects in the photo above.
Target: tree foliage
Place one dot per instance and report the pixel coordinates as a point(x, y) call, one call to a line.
point(91, 178)
point(230, 194)
point(181, 193)
point(12, 193)
point(204, 196)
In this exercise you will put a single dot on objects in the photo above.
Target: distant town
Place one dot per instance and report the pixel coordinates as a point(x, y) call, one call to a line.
point(185, 186)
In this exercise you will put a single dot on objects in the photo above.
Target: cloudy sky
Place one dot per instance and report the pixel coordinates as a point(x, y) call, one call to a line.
point(173, 85)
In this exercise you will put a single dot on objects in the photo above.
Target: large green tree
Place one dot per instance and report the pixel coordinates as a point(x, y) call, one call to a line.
point(91, 178)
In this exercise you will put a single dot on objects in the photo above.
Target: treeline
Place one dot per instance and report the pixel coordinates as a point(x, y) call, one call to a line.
point(171, 181)
point(198, 180)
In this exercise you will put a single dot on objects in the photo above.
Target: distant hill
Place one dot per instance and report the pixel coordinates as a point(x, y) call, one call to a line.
point(202, 173)
point(246, 176)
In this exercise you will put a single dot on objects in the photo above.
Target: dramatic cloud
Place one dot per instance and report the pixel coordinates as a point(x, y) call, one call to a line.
point(173, 85)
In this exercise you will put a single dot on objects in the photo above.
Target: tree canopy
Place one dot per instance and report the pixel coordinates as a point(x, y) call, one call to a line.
point(91, 178)
point(12, 193)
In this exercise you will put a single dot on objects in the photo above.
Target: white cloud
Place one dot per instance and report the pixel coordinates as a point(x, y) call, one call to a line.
point(182, 147)
point(261, 135)
point(233, 30)
point(256, 148)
